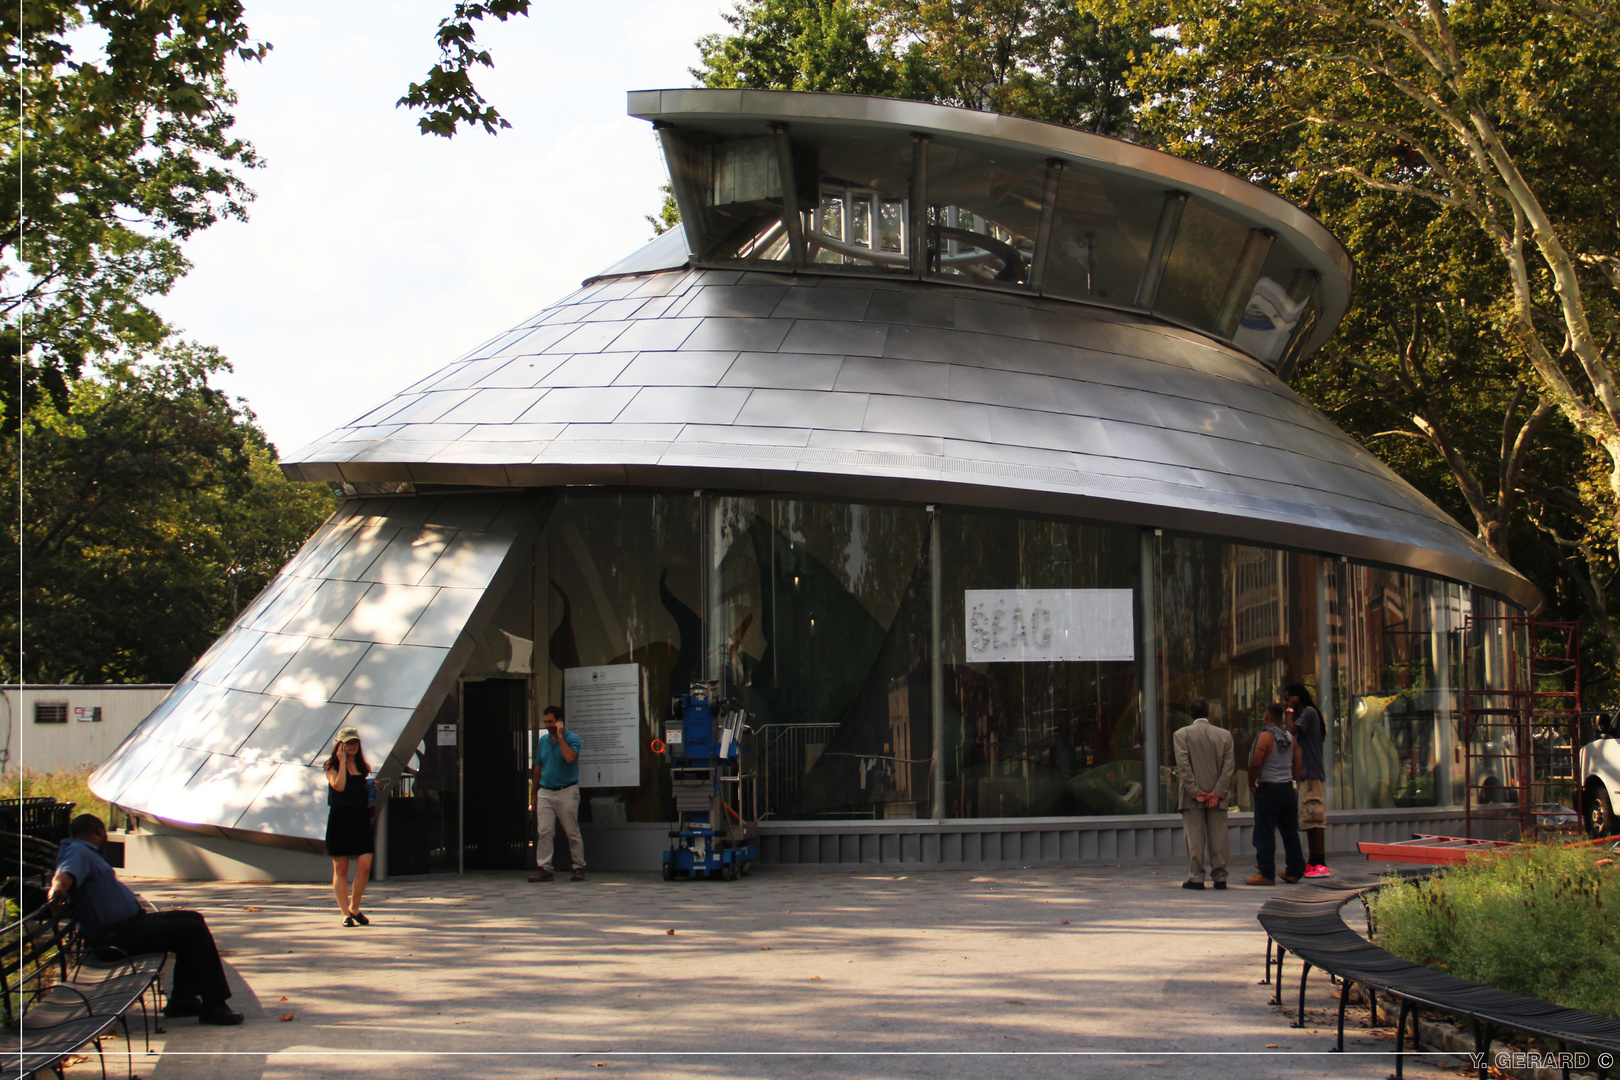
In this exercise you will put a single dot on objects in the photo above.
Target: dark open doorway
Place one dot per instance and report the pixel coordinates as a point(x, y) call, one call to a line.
point(495, 773)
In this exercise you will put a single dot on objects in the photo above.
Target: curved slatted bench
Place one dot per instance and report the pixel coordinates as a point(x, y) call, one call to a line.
point(1307, 922)
point(56, 994)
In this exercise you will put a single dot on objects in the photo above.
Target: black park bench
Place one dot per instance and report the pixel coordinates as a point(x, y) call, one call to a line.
point(56, 994)
point(1307, 921)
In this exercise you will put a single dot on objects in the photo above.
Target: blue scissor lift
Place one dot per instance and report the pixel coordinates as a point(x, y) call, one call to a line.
point(710, 748)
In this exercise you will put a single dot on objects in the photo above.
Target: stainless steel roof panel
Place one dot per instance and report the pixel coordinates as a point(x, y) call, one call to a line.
point(656, 335)
point(469, 561)
point(590, 337)
point(738, 335)
point(621, 432)
point(740, 301)
point(295, 731)
point(317, 669)
point(330, 605)
point(588, 369)
point(580, 404)
point(168, 770)
point(908, 415)
point(836, 337)
point(803, 408)
point(679, 404)
point(219, 792)
point(615, 311)
point(392, 675)
point(883, 375)
point(408, 556)
point(493, 406)
point(786, 371)
point(291, 803)
point(842, 305)
point(259, 668)
point(386, 613)
point(738, 434)
point(443, 618)
point(677, 369)
point(1192, 433)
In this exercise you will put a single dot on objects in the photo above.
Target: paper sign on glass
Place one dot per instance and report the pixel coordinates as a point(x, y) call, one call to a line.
point(603, 705)
point(1022, 626)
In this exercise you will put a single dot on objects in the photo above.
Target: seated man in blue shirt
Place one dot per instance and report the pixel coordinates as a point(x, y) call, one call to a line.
point(112, 919)
point(556, 794)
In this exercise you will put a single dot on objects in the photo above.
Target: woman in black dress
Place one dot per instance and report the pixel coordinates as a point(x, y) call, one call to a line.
point(348, 824)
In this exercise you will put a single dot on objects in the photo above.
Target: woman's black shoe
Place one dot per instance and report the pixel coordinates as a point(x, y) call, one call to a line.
point(361, 919)
point(348, 920)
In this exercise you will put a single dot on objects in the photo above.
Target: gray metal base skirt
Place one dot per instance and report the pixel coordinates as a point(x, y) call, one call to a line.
point(921, 845)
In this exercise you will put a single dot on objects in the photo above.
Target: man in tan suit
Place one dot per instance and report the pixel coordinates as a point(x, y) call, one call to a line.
point(1205, 760)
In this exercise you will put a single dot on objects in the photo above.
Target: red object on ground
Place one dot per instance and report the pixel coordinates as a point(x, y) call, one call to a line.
point(1432, 850)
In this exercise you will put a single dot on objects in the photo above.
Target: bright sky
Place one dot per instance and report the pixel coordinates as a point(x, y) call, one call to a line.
point(375, 254)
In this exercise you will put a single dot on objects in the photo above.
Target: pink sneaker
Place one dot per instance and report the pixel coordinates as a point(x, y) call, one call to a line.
point(1318, 870)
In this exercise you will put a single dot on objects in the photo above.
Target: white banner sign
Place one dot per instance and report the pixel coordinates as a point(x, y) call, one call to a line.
point(1022, 626)
point(603, 704)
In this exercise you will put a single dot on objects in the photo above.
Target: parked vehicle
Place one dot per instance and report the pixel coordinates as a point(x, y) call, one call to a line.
point(1600, 768)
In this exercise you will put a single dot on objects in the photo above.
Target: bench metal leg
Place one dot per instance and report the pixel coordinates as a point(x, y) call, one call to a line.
point(1276, 999)
point(1344, 999)
point(1484, 1035)
point(1267, 980)
point(1304, 973)
point(1400, 1039)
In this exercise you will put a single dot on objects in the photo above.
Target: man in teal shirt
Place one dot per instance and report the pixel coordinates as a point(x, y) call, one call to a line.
point(556, 794)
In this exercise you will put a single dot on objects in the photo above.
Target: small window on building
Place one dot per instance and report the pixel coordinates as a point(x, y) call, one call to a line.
point(50, 712)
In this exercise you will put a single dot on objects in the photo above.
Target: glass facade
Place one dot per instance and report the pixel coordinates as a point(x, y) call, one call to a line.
point(908, 662)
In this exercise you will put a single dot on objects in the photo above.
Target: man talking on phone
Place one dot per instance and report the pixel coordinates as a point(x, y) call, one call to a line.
point(556, 794)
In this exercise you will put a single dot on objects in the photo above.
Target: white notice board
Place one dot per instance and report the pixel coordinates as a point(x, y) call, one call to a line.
point(1022, 626)
point(603, 704)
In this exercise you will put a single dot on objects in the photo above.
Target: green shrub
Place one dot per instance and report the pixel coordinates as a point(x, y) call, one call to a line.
point(64, 785)
point(1540, 920)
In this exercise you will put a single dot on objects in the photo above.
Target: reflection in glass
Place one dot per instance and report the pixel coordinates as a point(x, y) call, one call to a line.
point(1398, 651)
point(624, 587)
point(1202, 260)
point(824, 612)
point(1238, 623)
point(1043, 738)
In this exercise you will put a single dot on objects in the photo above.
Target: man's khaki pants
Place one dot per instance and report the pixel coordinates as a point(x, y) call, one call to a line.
point(1205, 826)
point(559, 808)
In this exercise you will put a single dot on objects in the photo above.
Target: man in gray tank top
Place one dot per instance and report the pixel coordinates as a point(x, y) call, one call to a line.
point(1273, 767)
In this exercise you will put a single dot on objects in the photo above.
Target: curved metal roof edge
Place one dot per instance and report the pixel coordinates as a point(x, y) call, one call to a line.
point(1242, 527)
point(695, 104)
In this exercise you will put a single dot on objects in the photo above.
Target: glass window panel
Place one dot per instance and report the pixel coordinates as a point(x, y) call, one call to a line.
point(1202, 259)
point(984, 211)
point(1282, 305)
point(1044, 738)
point(1238, 623)
point(1396, 744)
point(1102, 230)
point(824, 619)
point(624, 587)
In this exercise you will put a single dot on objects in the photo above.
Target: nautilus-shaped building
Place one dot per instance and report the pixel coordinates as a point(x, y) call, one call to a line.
point(959, 448)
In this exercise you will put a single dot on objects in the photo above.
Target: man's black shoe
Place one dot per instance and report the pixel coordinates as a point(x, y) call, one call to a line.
point(220, 1014)
point(187, 1006)
point(1220, 884)
point(1199, 885)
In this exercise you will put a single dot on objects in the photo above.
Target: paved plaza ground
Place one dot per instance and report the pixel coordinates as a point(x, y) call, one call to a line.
point(1055, 972)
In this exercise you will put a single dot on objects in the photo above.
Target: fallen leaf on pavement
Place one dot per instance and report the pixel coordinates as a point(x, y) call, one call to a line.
point(764, 948)
point(670, 931)
point(246, 908)
point(1273, 1046)
point(286, 1016)
point(1065, 922)
point(283, 997)
point(815, 976)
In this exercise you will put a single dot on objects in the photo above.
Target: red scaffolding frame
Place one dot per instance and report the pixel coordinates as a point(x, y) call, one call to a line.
point(1519, 739)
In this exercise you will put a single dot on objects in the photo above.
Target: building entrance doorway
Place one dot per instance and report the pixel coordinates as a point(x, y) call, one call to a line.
point(495, 766)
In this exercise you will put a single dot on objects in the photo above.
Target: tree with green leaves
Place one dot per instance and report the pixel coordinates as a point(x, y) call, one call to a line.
point(122, 149)
point(152, 512)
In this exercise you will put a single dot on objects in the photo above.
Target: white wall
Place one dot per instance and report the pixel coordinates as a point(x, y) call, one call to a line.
point(46, 747)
